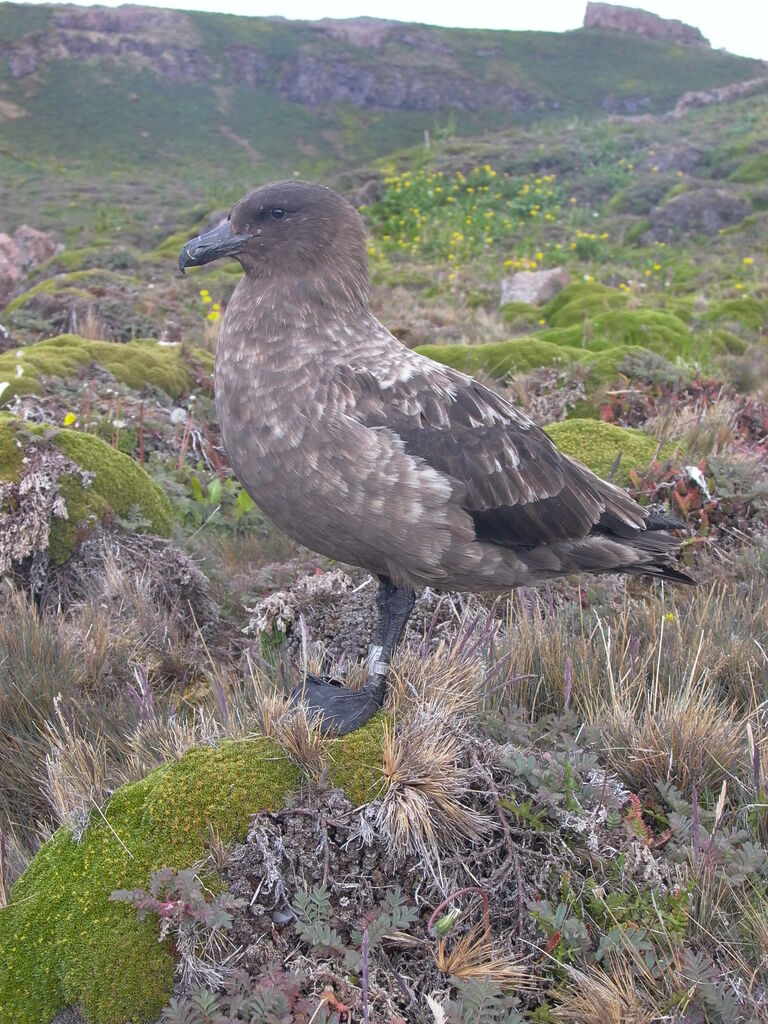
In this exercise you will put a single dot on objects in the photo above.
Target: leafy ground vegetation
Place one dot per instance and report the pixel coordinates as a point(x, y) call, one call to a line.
point(561, 814)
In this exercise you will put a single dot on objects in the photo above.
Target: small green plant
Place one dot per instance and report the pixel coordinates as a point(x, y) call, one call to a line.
point(197, 926)
point(270, 999)
point(482, 1002)
point(315, 928)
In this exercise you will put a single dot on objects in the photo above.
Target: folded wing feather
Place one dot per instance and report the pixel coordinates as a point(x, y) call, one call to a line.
point(519, 489)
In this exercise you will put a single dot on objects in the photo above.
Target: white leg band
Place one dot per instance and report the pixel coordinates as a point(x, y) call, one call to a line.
point(376, 667)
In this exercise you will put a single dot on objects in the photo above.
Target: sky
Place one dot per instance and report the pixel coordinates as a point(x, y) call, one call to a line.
point(740, 26)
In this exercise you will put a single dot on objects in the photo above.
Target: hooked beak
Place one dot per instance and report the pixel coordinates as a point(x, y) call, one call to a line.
point(212, 245)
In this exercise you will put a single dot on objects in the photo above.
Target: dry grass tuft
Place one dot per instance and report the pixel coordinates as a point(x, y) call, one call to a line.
point(264, 699)
point(298, 733)
point(75, 772)
point(427, 781)
point(685, 738)
point(702, 430)
point(604, 996)
point(446, 678)
point(668, 678)
point(38, 662)
point(160, 738)
point(472, 958)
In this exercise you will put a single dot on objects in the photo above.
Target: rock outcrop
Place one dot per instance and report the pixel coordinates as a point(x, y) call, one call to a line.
point(725, 94)
point(26, 249)
point(169, 44)
point(702, 211)
point(612, 18)
point(534, 287)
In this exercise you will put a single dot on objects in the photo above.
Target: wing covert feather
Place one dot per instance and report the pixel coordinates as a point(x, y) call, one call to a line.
point(519, 489)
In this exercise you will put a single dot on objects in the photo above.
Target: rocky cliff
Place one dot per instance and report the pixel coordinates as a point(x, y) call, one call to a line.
point(324, 62)
point(613, 18)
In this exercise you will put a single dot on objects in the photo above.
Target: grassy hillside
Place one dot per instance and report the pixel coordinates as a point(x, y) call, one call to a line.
point(206, 92)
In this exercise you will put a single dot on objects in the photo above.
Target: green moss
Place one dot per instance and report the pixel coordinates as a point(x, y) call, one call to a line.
point(637, 230)
point(746, 312)
point(604, 367)
point(46, 358)
point(579, 338)
point(499, 358)
point(521, 314)
point(171, 246)
point(581, 301)
point(136, 364)
point(70, 260)
point(618, 202)
point(10, 452)
point(144, 362)
point(752, 170)
point(69, 283)
point(202, 359)
point(721, 341)
point(61, 940)
point(356, 761)
point(650, 328)
point(85, 509)
point(603, 360)
point(119, 486)
point(597, 444)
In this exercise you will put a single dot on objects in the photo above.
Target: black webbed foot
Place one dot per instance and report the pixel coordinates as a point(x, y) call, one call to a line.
point(342, 710)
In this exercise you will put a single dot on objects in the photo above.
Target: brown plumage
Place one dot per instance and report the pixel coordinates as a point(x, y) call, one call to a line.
point(376, 456)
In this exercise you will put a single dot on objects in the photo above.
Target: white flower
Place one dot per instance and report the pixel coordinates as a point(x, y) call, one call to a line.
point(19, 370)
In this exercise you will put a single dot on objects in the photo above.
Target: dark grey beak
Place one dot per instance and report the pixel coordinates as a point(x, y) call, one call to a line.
point(212, 245)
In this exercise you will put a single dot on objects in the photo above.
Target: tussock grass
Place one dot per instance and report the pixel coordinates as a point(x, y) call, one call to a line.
point(668, 678)
point(605, 996)
point(427, 780)
point(38, 662)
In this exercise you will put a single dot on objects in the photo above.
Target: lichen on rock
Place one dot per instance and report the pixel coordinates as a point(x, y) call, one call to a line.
point(56, 485)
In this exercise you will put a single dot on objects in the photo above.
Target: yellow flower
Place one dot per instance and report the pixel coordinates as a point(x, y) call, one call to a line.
point(213, 316)
point(748, 260)
point(657, 266)
point(207, 298)
point(204, 292)
point(542, 321)
point(539, 255)
point(69, 419)
point(216, 306)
